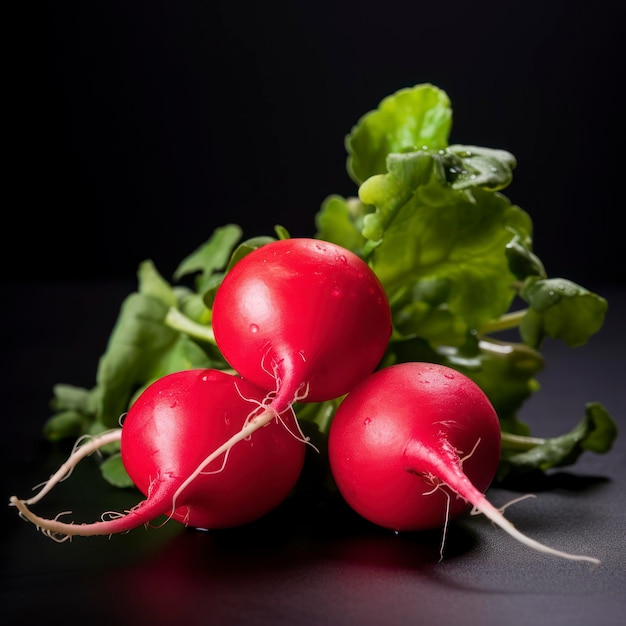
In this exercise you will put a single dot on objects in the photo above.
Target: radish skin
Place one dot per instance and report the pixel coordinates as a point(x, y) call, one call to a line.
point(411, 437)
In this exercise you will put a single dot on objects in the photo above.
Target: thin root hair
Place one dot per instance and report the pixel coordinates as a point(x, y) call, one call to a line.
point(505, 506)
point(265, 405)
point(467, 456)
point(221, 467)
point(444, 532)
point(439, 486)
point(111, 515)
point(55, 536)
point(260, 404)
point(300, 436)
point(274, 371)
point(58, 537)
point(165, 521)
point(302, 392)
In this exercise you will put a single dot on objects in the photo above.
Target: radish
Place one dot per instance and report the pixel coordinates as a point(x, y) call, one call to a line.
point(414, 445)
point(302, 318)
point(187, 444)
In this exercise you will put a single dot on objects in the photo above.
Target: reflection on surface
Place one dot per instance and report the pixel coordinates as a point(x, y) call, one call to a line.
point(231, 573)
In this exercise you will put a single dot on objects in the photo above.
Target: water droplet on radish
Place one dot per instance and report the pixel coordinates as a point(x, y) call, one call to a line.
point(367, 421)
point(336, 292)
point(254, 328)
point(450, 376)
point(342, 260)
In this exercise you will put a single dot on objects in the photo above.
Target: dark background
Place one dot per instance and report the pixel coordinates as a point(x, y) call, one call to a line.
point(137, 127)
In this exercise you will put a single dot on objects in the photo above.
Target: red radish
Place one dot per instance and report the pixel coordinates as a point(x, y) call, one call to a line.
point(187, 444)
point(415, 445)
point(303, 318)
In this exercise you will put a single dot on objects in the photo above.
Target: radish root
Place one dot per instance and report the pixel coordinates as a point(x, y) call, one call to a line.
point(54, 528)
point(79, 452)
point(42, 524)
point(495, 515)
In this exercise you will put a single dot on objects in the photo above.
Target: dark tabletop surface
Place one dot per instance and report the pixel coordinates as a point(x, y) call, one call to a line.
point(306, 563)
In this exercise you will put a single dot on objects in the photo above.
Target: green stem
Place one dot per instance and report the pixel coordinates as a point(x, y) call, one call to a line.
point(504, 322)
point(520, 442)
point(178, 321)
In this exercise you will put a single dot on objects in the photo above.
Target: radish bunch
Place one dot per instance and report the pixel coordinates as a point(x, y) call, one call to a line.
point(299, 320)
point(411, 446)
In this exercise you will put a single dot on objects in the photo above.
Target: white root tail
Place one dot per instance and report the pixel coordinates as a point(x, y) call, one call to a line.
point(497, 518)
point(91, 445)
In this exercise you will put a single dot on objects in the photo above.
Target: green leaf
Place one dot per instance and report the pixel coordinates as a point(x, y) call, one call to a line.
point(114, 473)
point(389, 195)
point(464, 167)
point(340, 221)
point(210, 257)
point(138, 336)
point(182, 354)
point(72, 398)
point(75, 409)
point(598, 428)
point(522, 261)
point(153, 285)
point(65, 424)
point(141, 348)
point(281, 232)
point(456, 238)
point(246, 247)
point(562, 310)
point(407, 120)
point(596, 432)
